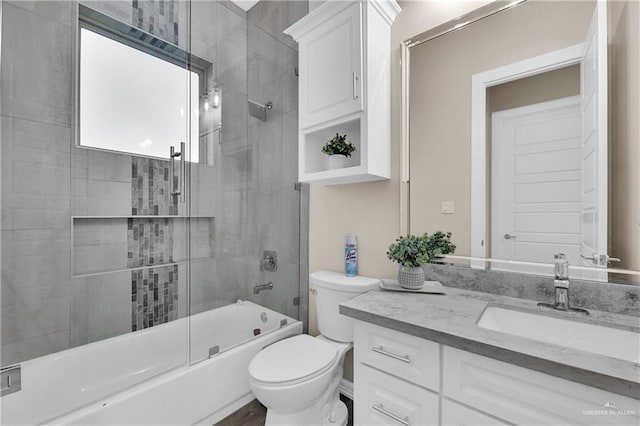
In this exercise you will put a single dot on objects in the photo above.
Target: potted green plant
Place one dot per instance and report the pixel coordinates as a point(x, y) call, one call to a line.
point(338, 149)
point(412, 251)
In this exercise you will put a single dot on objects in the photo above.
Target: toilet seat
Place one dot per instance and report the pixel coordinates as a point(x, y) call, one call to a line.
point(293, 360)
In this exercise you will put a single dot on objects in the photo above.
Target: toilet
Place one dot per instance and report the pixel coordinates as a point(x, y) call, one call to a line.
point(297, 378)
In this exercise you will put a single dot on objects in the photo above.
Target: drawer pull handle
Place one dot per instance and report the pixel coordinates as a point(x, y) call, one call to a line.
point(402, 420)
point(381, 350)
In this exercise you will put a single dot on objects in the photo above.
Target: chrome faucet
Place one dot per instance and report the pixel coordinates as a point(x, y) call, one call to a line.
point(561, 286)
point(259, 287)
point(561, 281)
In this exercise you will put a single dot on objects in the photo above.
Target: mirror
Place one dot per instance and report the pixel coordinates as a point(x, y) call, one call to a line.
point(525, 142)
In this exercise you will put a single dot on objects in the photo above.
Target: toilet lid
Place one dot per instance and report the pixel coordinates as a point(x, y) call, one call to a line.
point(292, 359)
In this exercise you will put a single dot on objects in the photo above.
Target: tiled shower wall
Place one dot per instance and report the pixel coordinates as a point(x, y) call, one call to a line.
point(274, 221)
point(248, 189)
point(166, 19)
point(36, 174)
point(151, 188)
point(45, 182)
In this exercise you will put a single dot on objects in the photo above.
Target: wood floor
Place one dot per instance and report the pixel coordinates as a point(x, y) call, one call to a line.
point(254, 414)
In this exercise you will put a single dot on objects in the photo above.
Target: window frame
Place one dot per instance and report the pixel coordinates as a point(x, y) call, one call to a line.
point(121, 32)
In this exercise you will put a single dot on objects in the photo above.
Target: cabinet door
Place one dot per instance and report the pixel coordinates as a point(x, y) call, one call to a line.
point(457, 415)
point(381, 399)
point(331, 68)
point(526, 397)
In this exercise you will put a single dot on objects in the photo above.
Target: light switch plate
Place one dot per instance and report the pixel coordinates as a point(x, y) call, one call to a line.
point(447, 207)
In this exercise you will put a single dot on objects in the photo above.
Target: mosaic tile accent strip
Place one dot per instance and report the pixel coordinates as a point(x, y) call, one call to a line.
point(159, 18)
point(154, 296)
point(149, 242)
point(151, 189)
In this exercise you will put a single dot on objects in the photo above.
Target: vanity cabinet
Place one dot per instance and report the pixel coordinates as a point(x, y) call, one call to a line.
point(419, 382)
point(384, 399)
point(457, 414)
point(344, 87)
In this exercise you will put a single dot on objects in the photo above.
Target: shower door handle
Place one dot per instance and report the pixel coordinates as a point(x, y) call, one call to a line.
point(172, 171)
point(183, 171)
point(172, 167)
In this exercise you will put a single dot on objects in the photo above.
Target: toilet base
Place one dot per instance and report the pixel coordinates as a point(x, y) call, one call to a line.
point(312, 416)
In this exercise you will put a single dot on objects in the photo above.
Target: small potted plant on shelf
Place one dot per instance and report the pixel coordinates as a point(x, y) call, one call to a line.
point(412, 251)
point(338, 149)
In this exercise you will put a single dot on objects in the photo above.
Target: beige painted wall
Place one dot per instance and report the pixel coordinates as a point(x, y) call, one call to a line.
point(440, 103)
point(371, 210)
point(624, 110)
point(544, 87)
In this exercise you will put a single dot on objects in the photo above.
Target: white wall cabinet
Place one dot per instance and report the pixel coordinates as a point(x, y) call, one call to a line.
point(344, 87)
point(404, 375)
point(331, 68)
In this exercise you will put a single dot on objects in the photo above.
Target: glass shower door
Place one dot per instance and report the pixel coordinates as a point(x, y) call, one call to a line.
point(245, 205)
point(130, 191)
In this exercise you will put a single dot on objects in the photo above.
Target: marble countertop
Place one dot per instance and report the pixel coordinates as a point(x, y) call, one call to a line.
point(451, 320)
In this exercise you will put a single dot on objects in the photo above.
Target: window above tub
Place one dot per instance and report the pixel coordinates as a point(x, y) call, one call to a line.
point(139, 94)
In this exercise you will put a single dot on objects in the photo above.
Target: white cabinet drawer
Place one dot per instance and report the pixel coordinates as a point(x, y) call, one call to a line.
point(458, 415)
point(411, 358)
point(381, 399)
point(526, 397)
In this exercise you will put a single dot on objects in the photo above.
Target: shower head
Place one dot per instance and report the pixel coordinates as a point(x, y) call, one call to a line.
point(259, 111)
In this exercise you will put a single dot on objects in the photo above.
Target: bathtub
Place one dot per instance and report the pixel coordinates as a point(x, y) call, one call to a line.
point(145, 377)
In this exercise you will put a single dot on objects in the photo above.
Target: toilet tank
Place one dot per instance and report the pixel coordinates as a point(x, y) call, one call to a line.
point(331, 289)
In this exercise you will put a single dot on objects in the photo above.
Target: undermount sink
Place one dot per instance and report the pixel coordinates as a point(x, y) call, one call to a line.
point(612, 342)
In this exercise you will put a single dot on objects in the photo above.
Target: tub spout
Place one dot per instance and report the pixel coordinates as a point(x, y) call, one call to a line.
point(259, 287)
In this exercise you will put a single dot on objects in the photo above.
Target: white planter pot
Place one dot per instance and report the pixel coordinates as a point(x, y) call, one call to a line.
point(336, 162)
point(411, 278)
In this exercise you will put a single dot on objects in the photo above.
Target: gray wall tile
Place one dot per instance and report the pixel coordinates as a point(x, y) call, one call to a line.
point(59, 11)
point(19, 351)
point(36, 64)
point(50, 317)
point(204, 40)
point(99, 245)
point(34, 258)
point(232, 50)
point(100, 198)
point(234, 119)
point(100, 307)
point(276, 16)
point(35, 174)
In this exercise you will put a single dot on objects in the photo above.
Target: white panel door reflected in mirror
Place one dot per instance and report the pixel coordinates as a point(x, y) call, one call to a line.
point(588, 208)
